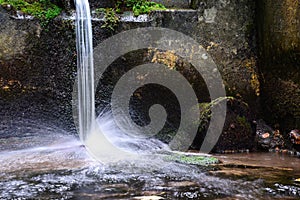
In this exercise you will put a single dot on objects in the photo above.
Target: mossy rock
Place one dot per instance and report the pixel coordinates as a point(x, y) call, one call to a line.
point(193, 159)
point(238, 132)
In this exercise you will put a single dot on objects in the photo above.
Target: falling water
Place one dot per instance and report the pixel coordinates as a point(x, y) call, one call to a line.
point(84, 45)
point(101, 136)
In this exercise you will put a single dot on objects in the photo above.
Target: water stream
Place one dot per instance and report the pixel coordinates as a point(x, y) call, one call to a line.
point(62, 169)
point(85, 64)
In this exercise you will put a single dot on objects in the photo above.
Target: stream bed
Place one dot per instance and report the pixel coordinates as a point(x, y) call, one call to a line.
point(48, 163)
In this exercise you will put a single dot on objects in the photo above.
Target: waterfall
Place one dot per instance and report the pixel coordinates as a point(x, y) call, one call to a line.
point(84, 46)
point(101, 137)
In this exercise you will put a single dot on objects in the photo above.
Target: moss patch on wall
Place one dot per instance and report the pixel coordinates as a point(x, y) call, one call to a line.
point(42, 9)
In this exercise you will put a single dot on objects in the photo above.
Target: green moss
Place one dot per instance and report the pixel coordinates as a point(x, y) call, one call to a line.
point(138, 7)
point(143, 6)
point(44, 10)
point(193, 159)
point(111, 18)
point(243, 122)
point(205, 112)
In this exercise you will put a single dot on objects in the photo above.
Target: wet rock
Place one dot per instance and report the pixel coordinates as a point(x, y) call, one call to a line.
point(226, 30)
point(94, 4)
point(278, 140)
point(67, 5)
point(37, 69)
point(238, 131)
point(7, 7)
point(279, 49)
point(295, 139)
point(267, 138)
point(287, 189)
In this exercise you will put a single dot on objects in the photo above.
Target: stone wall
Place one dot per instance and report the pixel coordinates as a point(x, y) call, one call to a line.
point(38, 64)
point(226, 29)
point(279, 33)
point(37, 70)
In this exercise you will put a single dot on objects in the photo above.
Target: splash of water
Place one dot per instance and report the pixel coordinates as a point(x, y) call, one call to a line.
point(84, 45)
point(101, 137)
point(90, 133)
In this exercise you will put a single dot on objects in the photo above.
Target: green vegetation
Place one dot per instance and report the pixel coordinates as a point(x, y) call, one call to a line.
point(138, 7)
point(143, 6)
point(44, 10)
point(111, 18)
point(193, 159)
point(242, 120)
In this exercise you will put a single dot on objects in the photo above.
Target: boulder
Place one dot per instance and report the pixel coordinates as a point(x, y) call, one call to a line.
point(268, 139)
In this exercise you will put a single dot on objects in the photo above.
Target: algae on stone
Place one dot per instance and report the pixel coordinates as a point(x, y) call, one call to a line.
point(193, 159)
